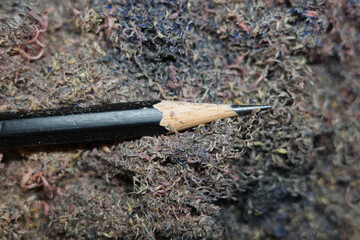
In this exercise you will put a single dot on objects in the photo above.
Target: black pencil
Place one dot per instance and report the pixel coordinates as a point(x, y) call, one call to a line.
point(110, 122)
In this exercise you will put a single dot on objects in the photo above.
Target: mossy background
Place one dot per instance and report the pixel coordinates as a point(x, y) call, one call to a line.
point(291, 172)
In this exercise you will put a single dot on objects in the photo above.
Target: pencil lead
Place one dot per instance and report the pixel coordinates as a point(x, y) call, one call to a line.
point(247, 109)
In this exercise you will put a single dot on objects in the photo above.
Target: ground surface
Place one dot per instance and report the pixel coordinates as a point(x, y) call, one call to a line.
point(292, 172)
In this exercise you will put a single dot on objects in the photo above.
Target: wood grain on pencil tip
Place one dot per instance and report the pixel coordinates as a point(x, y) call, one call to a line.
point(178, 116)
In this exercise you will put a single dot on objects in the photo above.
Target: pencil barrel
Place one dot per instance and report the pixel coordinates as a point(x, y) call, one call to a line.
point(109, 122)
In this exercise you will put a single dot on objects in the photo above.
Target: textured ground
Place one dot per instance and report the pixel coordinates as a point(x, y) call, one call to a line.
point(291, 172)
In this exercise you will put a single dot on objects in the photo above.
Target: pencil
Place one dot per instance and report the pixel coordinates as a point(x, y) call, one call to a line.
point(110, 122)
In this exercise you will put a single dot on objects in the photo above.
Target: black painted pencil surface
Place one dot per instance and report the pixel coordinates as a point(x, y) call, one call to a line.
point(109, 122)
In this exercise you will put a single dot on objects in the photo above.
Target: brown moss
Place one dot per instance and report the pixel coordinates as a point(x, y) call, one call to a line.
point(288, 172)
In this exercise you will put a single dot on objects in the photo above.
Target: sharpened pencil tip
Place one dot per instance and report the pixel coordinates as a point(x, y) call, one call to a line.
point(247, 109)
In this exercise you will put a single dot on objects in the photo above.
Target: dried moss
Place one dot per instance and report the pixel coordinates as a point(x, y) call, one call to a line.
point(285, 173)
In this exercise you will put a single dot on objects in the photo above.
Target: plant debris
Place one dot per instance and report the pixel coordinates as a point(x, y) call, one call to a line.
point(291, 171)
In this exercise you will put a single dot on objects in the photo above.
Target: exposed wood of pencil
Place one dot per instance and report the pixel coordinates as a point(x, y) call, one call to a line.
point(178, 116)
